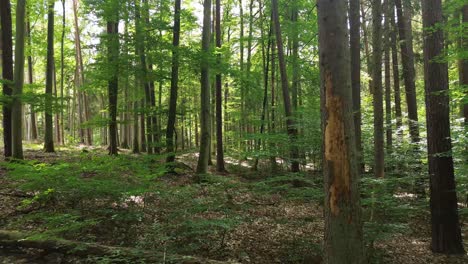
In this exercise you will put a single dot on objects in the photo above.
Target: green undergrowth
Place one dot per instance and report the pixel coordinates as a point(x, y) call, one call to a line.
point(136, 201)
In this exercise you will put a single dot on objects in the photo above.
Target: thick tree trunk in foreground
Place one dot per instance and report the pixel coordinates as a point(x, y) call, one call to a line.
point(446, 234)
point(343, 226)
point(290, 124)
point(7, 70)
point(17, 107)
point(219, 97)
point(113, 57)
point(174, 85)
point(205, 124)
point(49, 134)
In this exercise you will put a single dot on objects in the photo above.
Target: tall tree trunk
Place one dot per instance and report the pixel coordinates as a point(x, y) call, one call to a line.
point(219, 96)
point(7, 72)
point(377, 90)
point(407, 59)
point(343, 226)
point(295, 55)
point(290, 124)
point(17, 111)
point(355, 44)
point(113, 58)
point(463, 64)
point(49, 134)
point(203, 157)
point(395, 69)
point(171, 120)
point(33, 129)
point(62, 68)
point(266, 65)
point(80, 71)
point(388, 93)
point(273, 107)
point(446, 234)
point(140, 49)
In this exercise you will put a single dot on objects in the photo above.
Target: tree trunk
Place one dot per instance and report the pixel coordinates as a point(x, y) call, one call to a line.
point(62, 68)
point(17, 111)
point(171, 120)
point(7, 72)
point(290, 124)
point(355, 44)
point(388, 93)
point(49, 134)
point(377, 93)
point(463, 64)
point(446, 234)
point(266, 66)
point(80, 72)
point(140, 50)
point(219, 96)
point(33, 129)
point(204, 155)
point(113, 57)
point(395, 69)
point(343, 226)
point(407, 59)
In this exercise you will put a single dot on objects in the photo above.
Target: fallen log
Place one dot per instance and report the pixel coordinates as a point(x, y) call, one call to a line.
point(16, 239)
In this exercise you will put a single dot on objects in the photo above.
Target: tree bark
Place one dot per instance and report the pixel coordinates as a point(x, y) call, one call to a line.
point(355, 44)
point(343, 226)
point(17, 109)
point(446, 234)
point(395, 68)
point(205, 123)
point(407, 59)
point(219, 96)
point(48, 133)
point(290, 124)
point(463, 64)
point(377, 90)
point(171, 120)
point(388, 93)
point(7, 72)
point(113, 57)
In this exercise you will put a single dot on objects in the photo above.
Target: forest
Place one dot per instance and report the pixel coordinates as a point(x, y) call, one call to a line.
point(234, 131)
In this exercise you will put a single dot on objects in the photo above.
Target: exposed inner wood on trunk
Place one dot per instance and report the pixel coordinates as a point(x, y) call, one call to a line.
point(335, 147)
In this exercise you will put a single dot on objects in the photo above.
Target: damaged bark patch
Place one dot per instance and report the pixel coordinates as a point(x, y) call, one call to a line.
point(336, 153)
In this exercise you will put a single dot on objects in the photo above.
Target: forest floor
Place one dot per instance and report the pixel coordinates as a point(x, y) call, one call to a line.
point(135, 210)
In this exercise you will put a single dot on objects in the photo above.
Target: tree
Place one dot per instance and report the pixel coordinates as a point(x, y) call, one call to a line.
point(463, 64)
point(343, 227)
point(219, 96)
point(407, 60)
point(113, 58)
point(395, 67)
point(446, 234)
point(17, 107)
point(377, 91)
point(388, 93)
point(205, 123)
point(49, 134)
point(355, 44)
point(290, 124)
point(174, 85)
point(7, 71)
